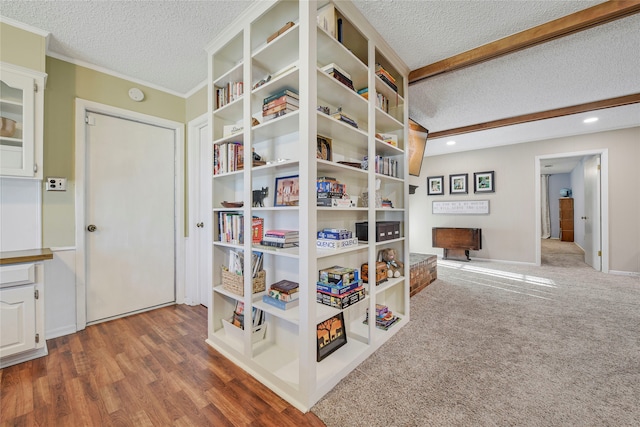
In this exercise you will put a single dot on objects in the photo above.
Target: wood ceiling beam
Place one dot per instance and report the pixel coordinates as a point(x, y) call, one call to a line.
point(587, 18)
point(549, 114)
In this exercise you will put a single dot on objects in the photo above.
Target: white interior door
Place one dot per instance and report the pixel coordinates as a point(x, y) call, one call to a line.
point(592, 245)
point(130, 199)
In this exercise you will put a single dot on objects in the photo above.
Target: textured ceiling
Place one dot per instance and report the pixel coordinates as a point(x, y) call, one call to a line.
point(161, 43)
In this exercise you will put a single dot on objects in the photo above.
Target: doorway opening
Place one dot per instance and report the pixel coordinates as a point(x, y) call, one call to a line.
point(587, 178)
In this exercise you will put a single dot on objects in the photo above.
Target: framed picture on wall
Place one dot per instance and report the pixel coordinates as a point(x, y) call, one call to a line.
point(458, 183)
point(483, 182)
point(435, 185)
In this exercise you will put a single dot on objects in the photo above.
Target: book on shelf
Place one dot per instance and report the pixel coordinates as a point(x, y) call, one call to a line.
point(278, 244)
point(384, 317)
point(284, 296)
point(278, 303)
point(333, 66)
point(389, 138)
point(380, 71)
point(282, 233)
point(285, 99)
point(280, 31)
point(341, 78)
point(257, 316)
point(278, 108)
point(228, 157)
point(285, 286)
point(279, 94)
point(339, 115)
point(334, 244)
point(277, 114)
point(335, 233)
point(228, 93)
point(257, 229)
point(231, 227)
point(327, 19)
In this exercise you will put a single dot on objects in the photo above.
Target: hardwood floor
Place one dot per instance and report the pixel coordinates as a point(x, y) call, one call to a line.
point(149, 369)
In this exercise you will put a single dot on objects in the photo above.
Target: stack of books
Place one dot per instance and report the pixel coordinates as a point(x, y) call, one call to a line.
point(335, 238)
point(386, 77)
point(384, 317)
point(279, 104)
point(330, 192)
point(281, 238)
point(339, 115)
point(339, 74)
point(339, 287)
point(283, 295)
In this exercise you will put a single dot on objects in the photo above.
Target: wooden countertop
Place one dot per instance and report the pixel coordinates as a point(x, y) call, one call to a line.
point(31, 255)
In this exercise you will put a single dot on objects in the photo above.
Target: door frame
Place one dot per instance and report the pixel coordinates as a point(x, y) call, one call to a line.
point(604, 201)
point(82, 108)
point(193, 255)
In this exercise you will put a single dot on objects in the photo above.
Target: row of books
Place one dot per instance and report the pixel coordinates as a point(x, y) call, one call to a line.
point(383, 165)
point(228, 157)
point(382, 102)
point(384, 317)
point(228, 93)
point(257, 316)
point(283, 295)
point(281, 238)
point(236, 263)
point(279, 104)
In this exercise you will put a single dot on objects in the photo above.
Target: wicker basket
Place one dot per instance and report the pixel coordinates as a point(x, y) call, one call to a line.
point(235, 283)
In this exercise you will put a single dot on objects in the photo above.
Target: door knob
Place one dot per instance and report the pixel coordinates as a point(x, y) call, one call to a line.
point(91, 228)
point(200, 225)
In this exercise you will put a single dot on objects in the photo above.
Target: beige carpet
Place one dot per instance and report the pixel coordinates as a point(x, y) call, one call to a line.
point(561, 254)
point(495, 344)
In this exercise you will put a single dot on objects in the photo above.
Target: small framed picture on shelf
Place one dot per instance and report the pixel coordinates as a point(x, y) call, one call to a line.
point(435, 185)
point(287, 191)
point(458, 183)
point(331, 336)
point(484, 182)
point(324, 148)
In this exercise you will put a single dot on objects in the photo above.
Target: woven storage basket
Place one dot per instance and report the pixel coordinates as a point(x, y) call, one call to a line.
point(235, 283)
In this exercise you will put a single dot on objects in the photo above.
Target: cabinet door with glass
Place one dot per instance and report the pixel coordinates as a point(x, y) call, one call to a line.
point(21, 104)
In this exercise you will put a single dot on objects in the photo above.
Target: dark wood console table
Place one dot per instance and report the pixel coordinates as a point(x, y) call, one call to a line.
point(456, 241)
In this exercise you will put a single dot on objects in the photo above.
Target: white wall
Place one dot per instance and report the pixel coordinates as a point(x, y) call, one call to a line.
point(60, 293)
point(508, 232)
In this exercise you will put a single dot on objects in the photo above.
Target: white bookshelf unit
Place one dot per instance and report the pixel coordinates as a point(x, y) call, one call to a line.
point(284, 358)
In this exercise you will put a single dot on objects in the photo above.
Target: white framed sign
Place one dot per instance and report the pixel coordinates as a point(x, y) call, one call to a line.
point(466, 207)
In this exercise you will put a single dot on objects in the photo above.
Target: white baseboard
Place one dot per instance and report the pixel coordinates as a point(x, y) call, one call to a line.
point(624, 273)
point(23, 357)
point(61, 331)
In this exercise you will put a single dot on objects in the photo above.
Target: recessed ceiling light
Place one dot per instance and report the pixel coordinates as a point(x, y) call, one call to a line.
point(590, 120)
point(451, 142)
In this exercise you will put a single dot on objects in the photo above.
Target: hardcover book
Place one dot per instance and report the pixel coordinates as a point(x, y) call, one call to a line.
point(282, 305)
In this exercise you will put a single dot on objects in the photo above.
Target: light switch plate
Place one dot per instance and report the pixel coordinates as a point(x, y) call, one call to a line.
point(56, 184)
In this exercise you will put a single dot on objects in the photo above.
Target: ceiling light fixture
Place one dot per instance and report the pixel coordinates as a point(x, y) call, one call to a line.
point(451, 142)
point(590, 120)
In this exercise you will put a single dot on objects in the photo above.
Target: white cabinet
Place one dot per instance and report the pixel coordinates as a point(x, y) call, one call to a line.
point(21, 313)
point(21, 109)
point(247, 68)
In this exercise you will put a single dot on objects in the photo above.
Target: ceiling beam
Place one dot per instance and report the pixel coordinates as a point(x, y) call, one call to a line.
point(542, 115)
point(587, 18)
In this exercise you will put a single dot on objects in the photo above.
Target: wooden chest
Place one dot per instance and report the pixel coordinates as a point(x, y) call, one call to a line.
point(381, 272)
